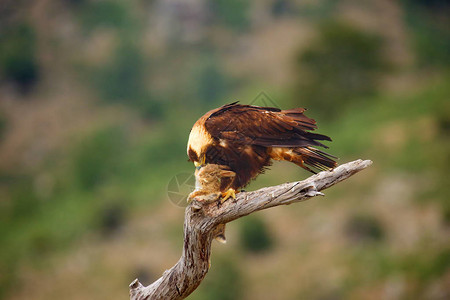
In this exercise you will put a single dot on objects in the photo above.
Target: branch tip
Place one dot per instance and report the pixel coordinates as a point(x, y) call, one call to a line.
point(135, 284)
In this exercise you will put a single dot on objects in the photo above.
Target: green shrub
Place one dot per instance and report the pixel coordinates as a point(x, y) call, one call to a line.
point(122, 80)
point(3, 125)
point(430, 30)
point(110, 14)
point(111, 218)
point(97, 156)
point(20, 200)
point(426, 267)
point(223, 282)
point(211, 82)
point(254, 235)
point(318, 10)
point(18, 61)
point(341, 67)
point(232, 13)
point(364, 228)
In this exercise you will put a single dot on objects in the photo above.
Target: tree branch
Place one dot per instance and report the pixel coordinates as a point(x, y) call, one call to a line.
point(202, 219)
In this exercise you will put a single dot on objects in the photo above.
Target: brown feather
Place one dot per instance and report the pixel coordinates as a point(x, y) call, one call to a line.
point(246, 138)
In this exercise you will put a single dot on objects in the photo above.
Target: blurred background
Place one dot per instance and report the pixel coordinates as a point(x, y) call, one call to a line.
point(97, 98)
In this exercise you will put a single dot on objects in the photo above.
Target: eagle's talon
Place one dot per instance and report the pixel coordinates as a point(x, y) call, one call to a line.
point(229, 193)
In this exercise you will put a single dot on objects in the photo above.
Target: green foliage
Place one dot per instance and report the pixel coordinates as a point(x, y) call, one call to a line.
point(33, 228)
point(211, 82)
point(75, 3)
point(338, 69)
point(431, 30)
point(436, 4)
point(3, 126)
point(107, 176)
point(111, 217)
point(18, 61)
point(254, 235)
point(364, 228)
point(318, 10)
point(441, 150)
point(112, 173)
point(424, 264)
point(224, 281)
point(426, 267)
point(365, 127)
point(23, 199)
point(105, 13)
point(122, 80)
point(232, 13)
point(97, 156)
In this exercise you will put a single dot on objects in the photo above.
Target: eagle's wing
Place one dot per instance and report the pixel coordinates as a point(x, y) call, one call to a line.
point(263, 126)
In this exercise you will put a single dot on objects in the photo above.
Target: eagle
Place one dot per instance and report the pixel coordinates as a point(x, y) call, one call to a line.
point(246, 138)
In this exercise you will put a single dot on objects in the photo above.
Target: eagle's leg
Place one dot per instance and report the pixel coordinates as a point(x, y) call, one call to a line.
point(229, 193)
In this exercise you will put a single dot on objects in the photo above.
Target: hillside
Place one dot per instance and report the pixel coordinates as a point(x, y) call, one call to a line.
point(97, 99)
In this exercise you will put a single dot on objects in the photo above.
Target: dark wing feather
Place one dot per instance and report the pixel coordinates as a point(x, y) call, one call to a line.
point(263, 126)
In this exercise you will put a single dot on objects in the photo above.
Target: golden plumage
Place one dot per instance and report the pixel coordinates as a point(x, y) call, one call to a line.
point(246, 138)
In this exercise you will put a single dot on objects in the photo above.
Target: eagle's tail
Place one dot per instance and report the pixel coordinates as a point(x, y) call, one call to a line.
point(313, 159)
point(308, 158)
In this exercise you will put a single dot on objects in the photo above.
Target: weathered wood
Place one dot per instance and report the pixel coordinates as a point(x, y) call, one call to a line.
point(202, 219)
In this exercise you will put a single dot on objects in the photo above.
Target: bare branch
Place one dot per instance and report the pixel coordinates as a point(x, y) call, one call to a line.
point(202, 219)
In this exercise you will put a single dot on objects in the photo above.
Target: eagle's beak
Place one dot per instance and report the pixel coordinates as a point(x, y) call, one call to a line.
point(199, 164)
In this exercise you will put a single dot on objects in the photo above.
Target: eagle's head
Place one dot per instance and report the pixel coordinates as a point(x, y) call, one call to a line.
point(198, 160)
point(199, 140)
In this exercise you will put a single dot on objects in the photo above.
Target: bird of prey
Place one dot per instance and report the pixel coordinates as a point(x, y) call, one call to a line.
point(246, 138)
